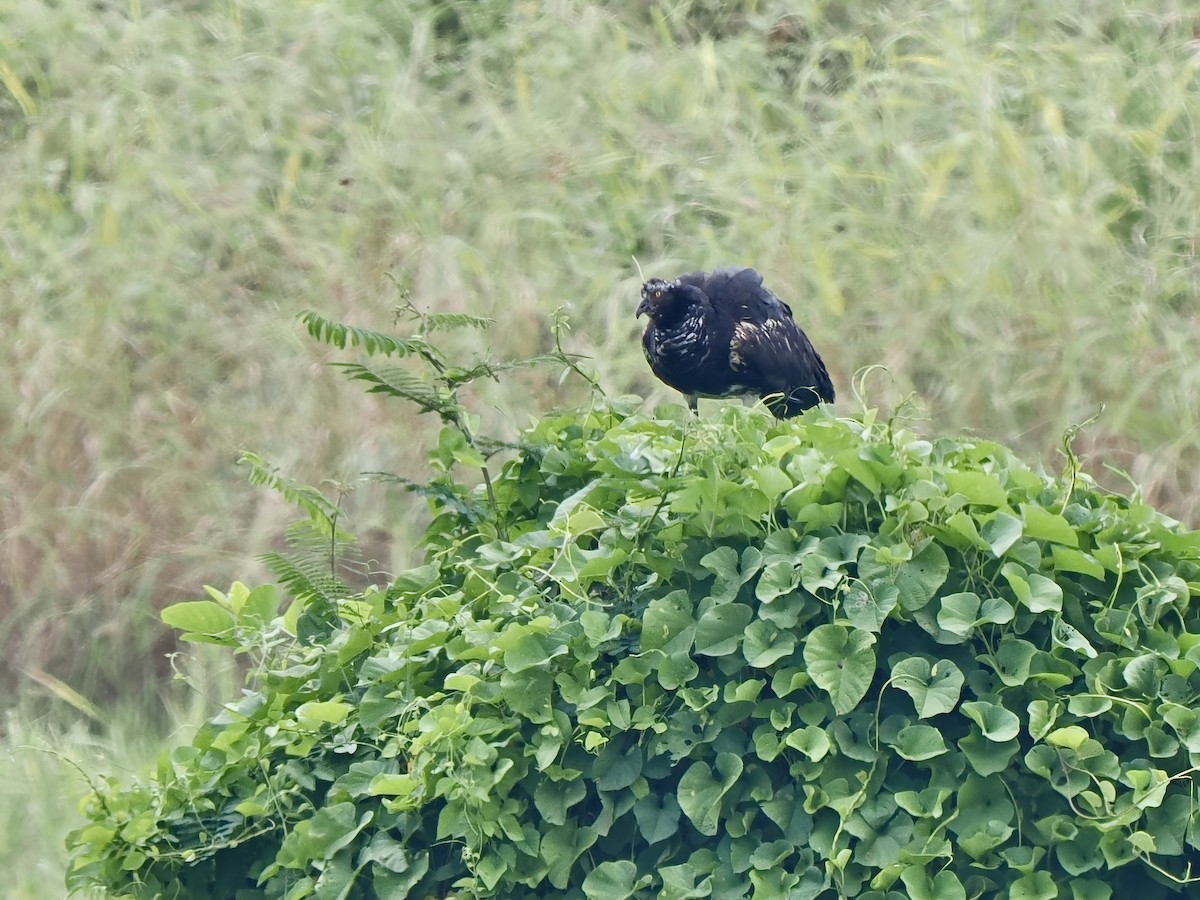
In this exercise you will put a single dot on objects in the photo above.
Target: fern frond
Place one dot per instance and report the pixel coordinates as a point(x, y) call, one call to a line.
point(532, 362)
point(320, 511)
point(306, 578)
point(490, 446)
point(441, 493)
point(341, 335)
point(455, 376)
point(318, 540)
point(440, 321)
point(399, 382)
point(454, 321)
point(445, 497)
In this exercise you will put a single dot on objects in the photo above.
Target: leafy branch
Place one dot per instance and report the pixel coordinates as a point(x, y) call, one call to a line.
point(436, 390)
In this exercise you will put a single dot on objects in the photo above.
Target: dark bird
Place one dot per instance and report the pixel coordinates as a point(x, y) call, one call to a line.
point(725, 335)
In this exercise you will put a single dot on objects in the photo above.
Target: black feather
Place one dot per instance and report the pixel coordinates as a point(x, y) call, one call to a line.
point(725, 335)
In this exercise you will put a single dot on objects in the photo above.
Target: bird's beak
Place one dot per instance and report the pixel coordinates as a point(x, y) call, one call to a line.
point(643, 308)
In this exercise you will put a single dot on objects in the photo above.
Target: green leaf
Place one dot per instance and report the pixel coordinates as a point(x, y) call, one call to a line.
point(722, 628)
point(985, 756)
point(1037, 592)
point(771, 854)
point(942, 886)
point(341, 335)
point(1118, 850)
point(766, 644)
point(917, 580)
point(1090, 889)
point(1144, 673)
point(996, 722)
point(841, 662)
point(996, 611)
point(317, 713)
point(1012, 661)
point(959, 612)
point(1160, 744)
point(390, 885)
point(700, 792)
point(1071, 736)
point(680, 883)
point(336, 879)
point(1067, 559)
point(926, 804)
point(810, 740)
point(635, 669)
point(961, 532)
point(657, 819)
point(1042, 717)
point(526, 646)
point(615, 770)
point(611, 880)
point(787, 610)
point(1069, 637)
point(468, 456)
point(827, 566)
point(780, 577)
point(979, 488)
point(331, 829)
point(934, 689)
point(723, 563)
point(554, 798)
point(399, 784)
point(859, 469)
point(668, 624)
point(1034, 886)
point(1001, 532)
point(677, 670)
point(396, 381)
point(203, 621)
point(984, 813)
point(771, 480)
point(866, 605)
point(389, 853)
point(259, 606)
point(919, 742)
point(1047, 526)
point(561, 846)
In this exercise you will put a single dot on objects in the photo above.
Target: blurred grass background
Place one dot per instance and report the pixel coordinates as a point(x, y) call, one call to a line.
point(997, 201)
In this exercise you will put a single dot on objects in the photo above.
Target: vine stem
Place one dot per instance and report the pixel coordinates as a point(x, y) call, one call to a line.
point(662, 501)
point(491, 495)
point(460, 422)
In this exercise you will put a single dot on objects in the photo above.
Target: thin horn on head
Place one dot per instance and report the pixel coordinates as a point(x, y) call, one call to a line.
point(641, 274)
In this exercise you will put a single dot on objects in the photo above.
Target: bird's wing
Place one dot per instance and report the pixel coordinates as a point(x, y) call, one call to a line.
point(740, 294)
point(767, 347)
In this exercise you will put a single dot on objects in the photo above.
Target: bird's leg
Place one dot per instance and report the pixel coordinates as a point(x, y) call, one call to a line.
point(693, 405)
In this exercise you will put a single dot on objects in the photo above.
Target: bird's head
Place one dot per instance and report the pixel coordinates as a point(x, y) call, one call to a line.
point(656, 296)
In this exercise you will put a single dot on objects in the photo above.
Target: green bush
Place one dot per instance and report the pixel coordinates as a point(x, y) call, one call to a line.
point(726, 657)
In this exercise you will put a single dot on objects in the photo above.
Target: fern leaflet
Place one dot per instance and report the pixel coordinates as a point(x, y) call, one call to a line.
point(341, 335)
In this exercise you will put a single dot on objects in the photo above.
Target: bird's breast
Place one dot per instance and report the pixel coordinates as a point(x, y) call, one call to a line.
point(691, 359)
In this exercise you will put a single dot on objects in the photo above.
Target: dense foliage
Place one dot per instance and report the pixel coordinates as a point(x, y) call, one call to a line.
point(727, 657)
point(997, 199)
point(989, 197)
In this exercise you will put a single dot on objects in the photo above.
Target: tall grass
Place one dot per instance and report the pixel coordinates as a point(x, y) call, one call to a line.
point(50, 758)
point(996, 201)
